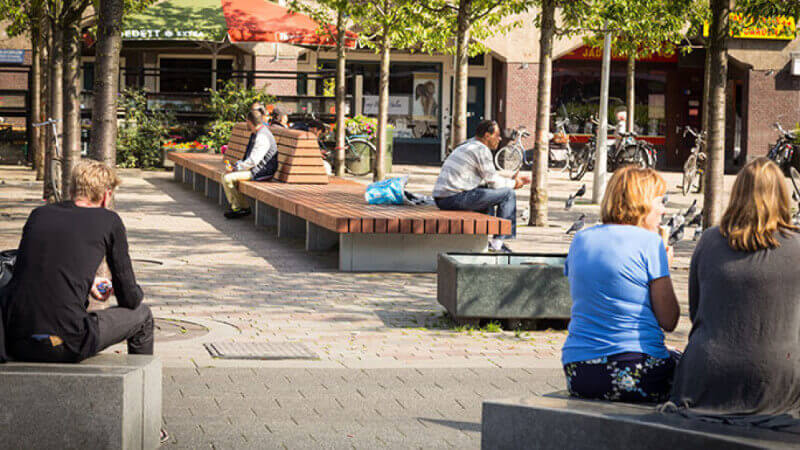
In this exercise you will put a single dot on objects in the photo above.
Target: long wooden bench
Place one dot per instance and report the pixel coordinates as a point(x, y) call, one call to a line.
point(369, 237)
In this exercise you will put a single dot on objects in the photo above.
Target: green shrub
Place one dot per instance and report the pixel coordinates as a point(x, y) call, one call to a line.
point(228, 105)
point(142, 133)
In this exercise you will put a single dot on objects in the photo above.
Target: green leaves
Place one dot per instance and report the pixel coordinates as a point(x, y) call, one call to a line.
point(639, 27)
point(437, 22)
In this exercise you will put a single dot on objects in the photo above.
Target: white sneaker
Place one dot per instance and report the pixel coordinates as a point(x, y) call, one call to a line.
point(495, 244)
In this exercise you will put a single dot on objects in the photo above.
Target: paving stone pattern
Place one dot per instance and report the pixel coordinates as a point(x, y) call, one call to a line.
point(338, 408)
point(392, 371)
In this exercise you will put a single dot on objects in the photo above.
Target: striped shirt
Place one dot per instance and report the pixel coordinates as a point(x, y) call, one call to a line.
point(468, 167)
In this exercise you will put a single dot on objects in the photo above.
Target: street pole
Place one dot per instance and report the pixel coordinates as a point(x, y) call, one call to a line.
point(601, 153)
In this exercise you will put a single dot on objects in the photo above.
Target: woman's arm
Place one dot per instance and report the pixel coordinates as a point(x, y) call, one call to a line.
point(664, 303)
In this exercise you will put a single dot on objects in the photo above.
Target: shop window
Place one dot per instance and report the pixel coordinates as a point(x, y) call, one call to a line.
point(224, 71)
point(414, 96)
point(184, 75)
point(576, 92)
point(88, 76)
point(302, 84)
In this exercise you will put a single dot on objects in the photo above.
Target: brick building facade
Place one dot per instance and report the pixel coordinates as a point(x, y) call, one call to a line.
point(503, 86)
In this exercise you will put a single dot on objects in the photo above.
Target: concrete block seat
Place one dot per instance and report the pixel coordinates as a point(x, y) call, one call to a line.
point(516, 288)
point(556, 421)
point(108, 401)
point(369, 237)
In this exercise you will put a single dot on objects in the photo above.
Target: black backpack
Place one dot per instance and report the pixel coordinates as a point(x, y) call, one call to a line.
point(7, 260)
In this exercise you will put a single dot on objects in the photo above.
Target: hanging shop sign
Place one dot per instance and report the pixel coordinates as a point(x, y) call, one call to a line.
point(588, 53)
point(776, 28)
point(12, 56)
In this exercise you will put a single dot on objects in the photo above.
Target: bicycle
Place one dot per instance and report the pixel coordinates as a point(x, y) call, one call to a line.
point(695, 164)
point(56, 161)
point(783, 150)
point(512, 156)
point(359, 154)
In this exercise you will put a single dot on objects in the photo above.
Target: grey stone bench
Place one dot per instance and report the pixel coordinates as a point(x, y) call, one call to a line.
point(513, 287)
point(108, 401)
point(555, 421)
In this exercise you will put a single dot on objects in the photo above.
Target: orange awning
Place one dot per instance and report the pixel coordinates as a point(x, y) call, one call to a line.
point(264, 21)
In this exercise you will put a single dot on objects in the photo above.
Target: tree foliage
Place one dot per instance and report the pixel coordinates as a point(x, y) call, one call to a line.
point(639, 27)
point(438, 22)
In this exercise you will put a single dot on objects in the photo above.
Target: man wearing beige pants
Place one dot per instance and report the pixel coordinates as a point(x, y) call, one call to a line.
point(260, 164)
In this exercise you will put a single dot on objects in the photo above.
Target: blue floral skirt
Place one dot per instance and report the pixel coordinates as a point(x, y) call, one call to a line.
point(626, 377)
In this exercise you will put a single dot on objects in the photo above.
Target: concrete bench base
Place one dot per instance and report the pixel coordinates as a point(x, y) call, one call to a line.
point(558, 422)
point(108, 401)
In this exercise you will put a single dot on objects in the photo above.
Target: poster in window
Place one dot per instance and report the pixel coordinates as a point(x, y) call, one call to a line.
point(398, 105)
point(426, 96)
point(655, 104)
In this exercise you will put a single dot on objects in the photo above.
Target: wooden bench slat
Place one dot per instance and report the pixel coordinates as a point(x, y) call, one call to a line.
point(468, 226)
point(481, 226)
point(493, 227)
point(443, 226)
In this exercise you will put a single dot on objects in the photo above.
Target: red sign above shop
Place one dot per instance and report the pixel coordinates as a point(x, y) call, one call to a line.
point(587, 53)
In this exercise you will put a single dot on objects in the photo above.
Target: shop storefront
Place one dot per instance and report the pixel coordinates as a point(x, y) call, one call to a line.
point(420, 96)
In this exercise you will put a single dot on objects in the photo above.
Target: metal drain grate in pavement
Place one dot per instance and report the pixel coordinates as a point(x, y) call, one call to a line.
point(259, 350)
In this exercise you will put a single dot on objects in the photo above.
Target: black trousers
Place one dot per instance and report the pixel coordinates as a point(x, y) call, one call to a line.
point(118, 324)
point(114, 325)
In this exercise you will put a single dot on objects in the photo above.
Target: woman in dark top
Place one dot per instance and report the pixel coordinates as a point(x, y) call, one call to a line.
point(61, 248)
point(742, 363)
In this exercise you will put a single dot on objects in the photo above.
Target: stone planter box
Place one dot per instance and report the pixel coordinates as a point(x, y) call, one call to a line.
point(514, 287)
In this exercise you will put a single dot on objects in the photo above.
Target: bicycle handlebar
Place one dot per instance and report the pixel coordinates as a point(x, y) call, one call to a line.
point(786, 134)
point(46, 122)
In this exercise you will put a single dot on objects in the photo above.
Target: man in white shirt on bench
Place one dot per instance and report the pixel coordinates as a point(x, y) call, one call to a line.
point(469, 182)
point(260, 164)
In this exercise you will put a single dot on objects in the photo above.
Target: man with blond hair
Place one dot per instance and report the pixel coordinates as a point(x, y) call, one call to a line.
point(62, 245)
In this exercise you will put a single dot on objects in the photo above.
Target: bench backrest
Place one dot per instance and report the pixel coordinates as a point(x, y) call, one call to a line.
point(237, 145)
point(299, 157)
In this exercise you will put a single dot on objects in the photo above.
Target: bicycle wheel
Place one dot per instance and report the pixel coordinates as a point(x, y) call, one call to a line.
point(361, 153)
point(578, 164)
point(508, 158)
point(689, 173)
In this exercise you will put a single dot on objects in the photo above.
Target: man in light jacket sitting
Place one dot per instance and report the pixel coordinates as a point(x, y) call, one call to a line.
point(260, 164)
point(469, 182)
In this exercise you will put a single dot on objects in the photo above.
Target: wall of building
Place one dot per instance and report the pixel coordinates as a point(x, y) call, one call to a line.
point(772, 96)
point(517, 93)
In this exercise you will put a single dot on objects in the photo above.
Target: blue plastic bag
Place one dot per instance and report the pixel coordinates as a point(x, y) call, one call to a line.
point(386, 192)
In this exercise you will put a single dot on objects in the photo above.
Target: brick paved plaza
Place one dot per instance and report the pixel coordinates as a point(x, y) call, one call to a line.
point(391, 370)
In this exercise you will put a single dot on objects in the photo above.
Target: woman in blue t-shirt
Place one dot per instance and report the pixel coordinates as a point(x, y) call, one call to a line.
point(622, 296)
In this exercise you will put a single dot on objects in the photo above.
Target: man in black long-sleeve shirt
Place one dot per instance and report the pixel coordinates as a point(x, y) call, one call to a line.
point(62, 247)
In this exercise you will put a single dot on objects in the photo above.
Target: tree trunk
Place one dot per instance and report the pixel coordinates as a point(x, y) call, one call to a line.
point(72, 104)
point(461, 80)
point(34, 146)
point(341, 91)
point(706, 91)
point(713, 194)
point(44, 61)
point(630, 88)
point(383, 108)
point(538, 201)
point(103, 142)
point(56, 106)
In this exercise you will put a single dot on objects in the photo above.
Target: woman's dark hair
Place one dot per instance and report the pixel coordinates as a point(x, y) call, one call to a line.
point(485, 127)
point(254, 117)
